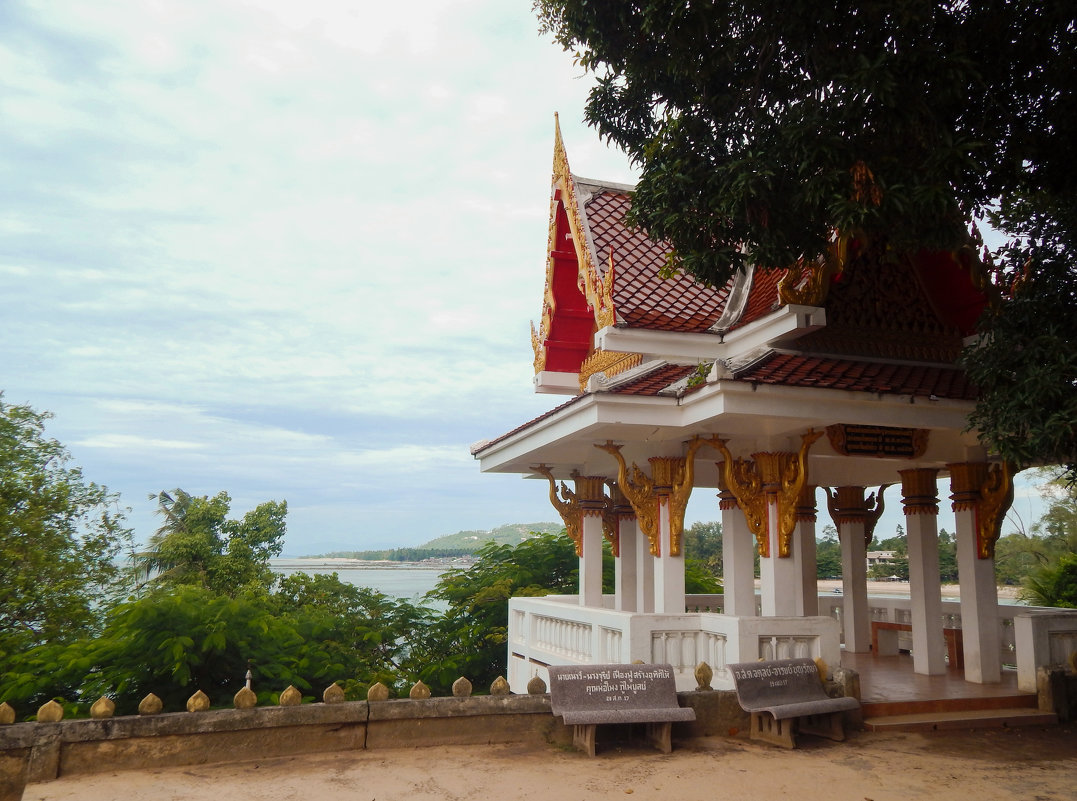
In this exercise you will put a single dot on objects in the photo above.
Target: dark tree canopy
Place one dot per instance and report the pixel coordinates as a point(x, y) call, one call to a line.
point(764, 128)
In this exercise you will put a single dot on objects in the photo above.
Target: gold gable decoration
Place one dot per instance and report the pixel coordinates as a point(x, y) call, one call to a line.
point(806, 283)
point(596, 288)
point(598, 291)
point(610, 362)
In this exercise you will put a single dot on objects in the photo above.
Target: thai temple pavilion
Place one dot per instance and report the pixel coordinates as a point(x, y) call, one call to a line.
point(838, 375)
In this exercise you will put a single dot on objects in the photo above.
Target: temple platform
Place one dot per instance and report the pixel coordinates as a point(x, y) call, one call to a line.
point(895, 698)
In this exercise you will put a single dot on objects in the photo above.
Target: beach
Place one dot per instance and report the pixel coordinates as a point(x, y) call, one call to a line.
point(884, 588)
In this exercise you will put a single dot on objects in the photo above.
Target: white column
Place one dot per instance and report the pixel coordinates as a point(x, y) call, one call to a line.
point(849, 512)
point(591, 561)
point(626, 566)
point(668, 569)
point(644, 572)
point(777, 575)
point(804, 554)
point(920, 496)
point(979, 595)
point(738, 558)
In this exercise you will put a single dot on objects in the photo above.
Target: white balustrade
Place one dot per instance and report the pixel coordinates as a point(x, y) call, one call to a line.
point(556, 630)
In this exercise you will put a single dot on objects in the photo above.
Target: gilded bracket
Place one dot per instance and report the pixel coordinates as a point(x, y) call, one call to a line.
point(742, 479)
point(682, 490)
point(567, 506)
point(996, 497)
point(781, 476)
point(808, 283)
point(639, 490)
point(645, 494)
point(873, 513)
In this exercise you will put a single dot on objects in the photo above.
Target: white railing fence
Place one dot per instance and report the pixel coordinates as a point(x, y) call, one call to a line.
point(555, 630)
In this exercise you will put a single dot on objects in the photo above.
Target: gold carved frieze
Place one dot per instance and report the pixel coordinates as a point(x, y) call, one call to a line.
point(878, 441)
point(681, 480)
point(567, 505)
point(609, 362)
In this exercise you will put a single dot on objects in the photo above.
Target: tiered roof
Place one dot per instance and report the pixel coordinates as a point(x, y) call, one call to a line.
point(614, 331)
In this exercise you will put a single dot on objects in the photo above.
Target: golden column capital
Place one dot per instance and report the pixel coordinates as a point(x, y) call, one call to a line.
point(617, 509)
point(919, 494)
point(671, 481)
point(849, 505)
point(966, 480)
point(806, 509)
point(779, 476)
point(726, 499)
point(986, 490)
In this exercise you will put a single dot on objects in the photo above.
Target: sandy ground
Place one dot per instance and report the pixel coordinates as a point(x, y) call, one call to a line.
point(1031, 764)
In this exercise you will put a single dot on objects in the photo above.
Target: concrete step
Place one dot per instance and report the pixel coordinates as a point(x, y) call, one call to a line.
point(961, 719)
point(879, 709)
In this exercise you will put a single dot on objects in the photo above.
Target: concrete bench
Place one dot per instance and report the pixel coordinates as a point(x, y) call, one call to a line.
point(884, 641)
point(589, 695)
point(786, 696)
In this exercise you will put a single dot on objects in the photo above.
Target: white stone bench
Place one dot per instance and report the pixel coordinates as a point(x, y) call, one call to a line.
point(786, 696)
point(589, 695)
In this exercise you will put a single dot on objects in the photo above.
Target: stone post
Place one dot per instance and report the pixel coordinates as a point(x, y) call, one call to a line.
point(920, 498)
point(779, 576)
point(626, 565)
point(850, 514)
point(979, 594)
point(738, 555)
point(590, 493)
point(669, 563)
point(804, 553)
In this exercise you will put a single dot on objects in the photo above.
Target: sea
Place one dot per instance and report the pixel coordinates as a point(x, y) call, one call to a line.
point(406, 580)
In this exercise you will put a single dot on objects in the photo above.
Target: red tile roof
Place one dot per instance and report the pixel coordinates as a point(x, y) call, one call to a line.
point(642, 298)
point(827, 373)
point(762, 297)
point(655, 381)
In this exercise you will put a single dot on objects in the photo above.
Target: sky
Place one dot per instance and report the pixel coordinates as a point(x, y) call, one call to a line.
point(286, 250)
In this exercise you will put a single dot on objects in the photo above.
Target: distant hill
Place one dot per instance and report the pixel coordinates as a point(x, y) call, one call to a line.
point(508, 534)
point(451, 545)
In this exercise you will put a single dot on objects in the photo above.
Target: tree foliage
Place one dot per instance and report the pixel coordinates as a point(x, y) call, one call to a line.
point(764, 128)
point(60, 537)
point(199, 545)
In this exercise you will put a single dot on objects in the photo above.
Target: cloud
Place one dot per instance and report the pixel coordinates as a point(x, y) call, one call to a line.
point(287, 250)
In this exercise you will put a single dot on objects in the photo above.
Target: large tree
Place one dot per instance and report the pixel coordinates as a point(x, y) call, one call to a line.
point(199, 545)
point(60, 537)
point(764, 129)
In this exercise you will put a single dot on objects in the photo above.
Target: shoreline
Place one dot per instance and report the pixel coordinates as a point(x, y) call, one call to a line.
point(903, 588)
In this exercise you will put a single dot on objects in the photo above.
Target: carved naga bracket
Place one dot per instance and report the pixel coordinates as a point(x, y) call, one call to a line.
point(682, 490)
point(645, 494)
point(996, 497)
point(770, 476)
point(639, 490)
point(617, 509)
point(848, 504)
point(874, 513)
point(568, 506)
